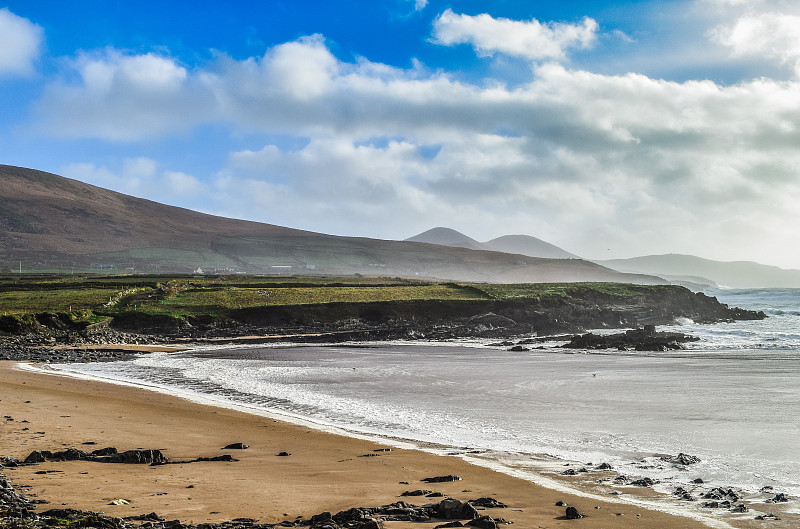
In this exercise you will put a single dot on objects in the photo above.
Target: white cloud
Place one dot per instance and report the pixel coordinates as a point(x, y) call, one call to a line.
point(123, 97)
point(530, 39)
point(588, 161)
point(20, 44)
point(302, 69)
point(419, 5)
point(770, 35)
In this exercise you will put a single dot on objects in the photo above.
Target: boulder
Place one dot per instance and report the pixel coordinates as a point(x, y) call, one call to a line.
point(681, 459)
point(573, 514)
point(483, 522)
point(37, 456)
point(236, 446)
point(452, 509)
point(418, 492)
point(489, 503)
point(779, 498)
point(70, 454)
point(110, 450)
point(136, 457)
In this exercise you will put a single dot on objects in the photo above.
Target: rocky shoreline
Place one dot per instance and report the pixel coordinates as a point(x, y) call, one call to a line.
point(50, 339)
point(19, 511)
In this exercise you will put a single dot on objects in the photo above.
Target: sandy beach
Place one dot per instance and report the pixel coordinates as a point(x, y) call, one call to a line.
point(324, 472)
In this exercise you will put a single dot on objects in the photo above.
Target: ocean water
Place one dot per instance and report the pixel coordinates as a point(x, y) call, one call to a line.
point(732, 399)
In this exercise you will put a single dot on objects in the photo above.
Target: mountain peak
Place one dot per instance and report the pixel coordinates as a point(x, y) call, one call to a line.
point(446, 237)
point(513, 244)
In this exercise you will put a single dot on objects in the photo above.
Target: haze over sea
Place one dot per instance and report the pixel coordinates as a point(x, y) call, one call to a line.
point(732, 399)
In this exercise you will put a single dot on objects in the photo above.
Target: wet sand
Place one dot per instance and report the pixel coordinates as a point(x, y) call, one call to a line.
point(323, 473)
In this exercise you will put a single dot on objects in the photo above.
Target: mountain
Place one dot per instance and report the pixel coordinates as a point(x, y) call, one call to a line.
point(734, 274)
point(52, 223)
point(527, 245)
point(513, 244)
point(447, 237)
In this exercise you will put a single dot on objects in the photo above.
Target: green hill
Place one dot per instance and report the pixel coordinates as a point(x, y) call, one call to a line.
point(56, 224)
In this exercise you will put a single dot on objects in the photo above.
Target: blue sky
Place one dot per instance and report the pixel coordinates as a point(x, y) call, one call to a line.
point(612, 129)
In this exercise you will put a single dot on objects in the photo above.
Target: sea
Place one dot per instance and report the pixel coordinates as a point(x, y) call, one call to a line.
point(731, 399)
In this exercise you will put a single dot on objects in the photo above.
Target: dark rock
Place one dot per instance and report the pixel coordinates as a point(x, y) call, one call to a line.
point(483, 522)
point(418, 492)
point(769, 516)
point(151, 517)
point(448, 525)
point(70, 454)
point(779, 498)
point(561, 504)
point(719, 493)
point(517, 348)
point(604, 466)
point(9, 461)
point(108, 451)
point(442, 479)
point(351, 515)
point(434, 495)
point(683, 494)
point(681, 459)
point(740, 508)
point(323, 521)
point(489, 503)
point(573, 514)
point(235, 446)
point(61, 513)
point(643, 482)
point(698, 481)
point(284, 454)
point(570, 472)
point(135, 457)
point(646, 339)
point(37, 456)
point(452, 509)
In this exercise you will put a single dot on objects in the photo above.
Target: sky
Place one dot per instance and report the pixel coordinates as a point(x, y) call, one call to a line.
point(611, 129)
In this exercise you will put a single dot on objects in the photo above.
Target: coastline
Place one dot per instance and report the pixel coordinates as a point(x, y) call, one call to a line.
point(324, 472)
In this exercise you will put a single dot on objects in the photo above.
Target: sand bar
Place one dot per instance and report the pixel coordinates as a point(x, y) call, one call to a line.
point(323, 473)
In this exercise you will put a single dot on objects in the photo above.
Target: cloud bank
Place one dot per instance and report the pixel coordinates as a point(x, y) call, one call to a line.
point(596, 163)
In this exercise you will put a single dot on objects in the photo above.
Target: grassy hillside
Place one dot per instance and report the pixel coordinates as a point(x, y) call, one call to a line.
point(194, 296)
point(49, 223)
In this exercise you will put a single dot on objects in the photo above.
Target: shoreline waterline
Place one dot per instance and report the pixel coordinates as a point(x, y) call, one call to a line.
point(540, 470)
point(324, 473)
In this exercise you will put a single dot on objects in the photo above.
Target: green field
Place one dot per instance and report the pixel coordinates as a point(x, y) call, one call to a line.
point(217, 296)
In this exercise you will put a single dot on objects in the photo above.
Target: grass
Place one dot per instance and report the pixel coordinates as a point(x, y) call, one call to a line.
point(100, 296)
point(539, 291)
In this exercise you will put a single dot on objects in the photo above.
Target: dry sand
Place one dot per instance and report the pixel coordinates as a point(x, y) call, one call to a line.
point(323, 473)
